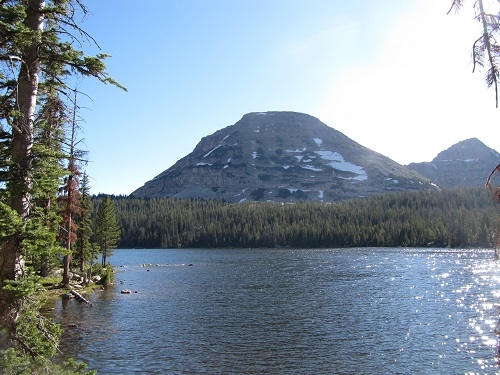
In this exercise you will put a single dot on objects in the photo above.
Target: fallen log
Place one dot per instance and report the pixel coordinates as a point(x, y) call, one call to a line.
point(80, 298)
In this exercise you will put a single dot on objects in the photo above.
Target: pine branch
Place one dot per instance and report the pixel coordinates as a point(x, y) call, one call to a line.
point(477, 54)
point(492, 75)
point(455, 5)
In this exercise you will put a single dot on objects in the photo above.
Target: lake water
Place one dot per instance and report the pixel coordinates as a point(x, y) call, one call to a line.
point(267, 311)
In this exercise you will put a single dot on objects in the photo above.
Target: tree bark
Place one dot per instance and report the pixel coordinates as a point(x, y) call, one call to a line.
point(11, 266)
point(22, 137)
point(67, 258)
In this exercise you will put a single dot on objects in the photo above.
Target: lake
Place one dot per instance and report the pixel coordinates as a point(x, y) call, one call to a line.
point(289, 311)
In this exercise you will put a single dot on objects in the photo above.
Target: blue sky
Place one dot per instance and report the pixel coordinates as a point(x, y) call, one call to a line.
point(395, 76)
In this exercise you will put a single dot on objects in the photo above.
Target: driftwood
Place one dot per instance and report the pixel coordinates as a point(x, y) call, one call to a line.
point(80, 298)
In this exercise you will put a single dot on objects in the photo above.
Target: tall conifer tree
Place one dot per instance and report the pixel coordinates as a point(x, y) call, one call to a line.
point(48, 171)
point(70, 195)
point(84, 221)
point(107, 230)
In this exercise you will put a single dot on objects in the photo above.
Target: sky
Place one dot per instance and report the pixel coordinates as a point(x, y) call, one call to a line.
point(395, 76)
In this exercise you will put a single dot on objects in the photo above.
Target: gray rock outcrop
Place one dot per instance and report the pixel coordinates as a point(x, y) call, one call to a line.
point(465, 164)
point(284, 157)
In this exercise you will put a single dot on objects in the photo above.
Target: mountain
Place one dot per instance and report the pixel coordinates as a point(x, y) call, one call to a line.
point(465, 164)
point(284, 157)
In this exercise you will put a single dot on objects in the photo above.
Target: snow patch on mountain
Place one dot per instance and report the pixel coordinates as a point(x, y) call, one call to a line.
point(311, 168)
point(212, 150)
point(338, 162)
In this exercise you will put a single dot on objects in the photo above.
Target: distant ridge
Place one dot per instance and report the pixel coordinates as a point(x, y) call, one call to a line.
point(281, 157)
point(465, 164)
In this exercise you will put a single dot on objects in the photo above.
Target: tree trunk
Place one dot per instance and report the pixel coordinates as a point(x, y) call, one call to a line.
point(11, 265)
point(82, 261)
point(89, 277)
point(67, 258)
point(66, 269)
point(103, 257)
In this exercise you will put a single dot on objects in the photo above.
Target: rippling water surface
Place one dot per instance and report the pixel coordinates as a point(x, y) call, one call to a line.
point(337, 311)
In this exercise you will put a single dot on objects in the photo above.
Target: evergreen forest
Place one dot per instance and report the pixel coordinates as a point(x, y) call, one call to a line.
point(465, 217)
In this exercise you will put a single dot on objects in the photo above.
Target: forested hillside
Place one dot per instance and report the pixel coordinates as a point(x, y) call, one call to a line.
point(449, 218)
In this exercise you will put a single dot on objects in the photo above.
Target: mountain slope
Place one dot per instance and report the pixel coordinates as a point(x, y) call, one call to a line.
point(465, 164)
point(281, 156)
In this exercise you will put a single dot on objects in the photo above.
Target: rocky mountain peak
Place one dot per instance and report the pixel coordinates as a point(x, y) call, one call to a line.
point(465, 164)
point(280, 156)
point(470, 149)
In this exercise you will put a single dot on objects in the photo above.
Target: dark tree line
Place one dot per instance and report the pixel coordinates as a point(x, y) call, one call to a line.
point(448, 218)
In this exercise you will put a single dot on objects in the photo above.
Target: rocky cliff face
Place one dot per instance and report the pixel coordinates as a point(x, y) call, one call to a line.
point(281, 156)
point(465, 164)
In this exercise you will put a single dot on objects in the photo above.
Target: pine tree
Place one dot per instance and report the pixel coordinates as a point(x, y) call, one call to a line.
point(70, 197)
point(48, 172)
point(84, 220)
point(107, 230)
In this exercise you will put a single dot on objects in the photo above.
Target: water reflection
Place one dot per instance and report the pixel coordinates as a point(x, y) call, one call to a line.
point(292, 311)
